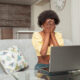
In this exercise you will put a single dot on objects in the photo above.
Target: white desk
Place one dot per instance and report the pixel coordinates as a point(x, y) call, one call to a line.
point(27, 75)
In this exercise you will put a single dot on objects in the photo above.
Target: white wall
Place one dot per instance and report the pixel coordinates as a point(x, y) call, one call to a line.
point(75, 8)
point(65, 26)
point(36, 9)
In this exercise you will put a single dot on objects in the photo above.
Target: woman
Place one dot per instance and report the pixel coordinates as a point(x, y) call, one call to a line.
point(42, 41)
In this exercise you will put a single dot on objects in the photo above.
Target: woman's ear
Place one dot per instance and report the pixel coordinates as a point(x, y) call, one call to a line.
point(42, 27)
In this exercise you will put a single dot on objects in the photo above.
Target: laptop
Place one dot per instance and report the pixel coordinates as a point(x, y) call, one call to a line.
point(63, 59)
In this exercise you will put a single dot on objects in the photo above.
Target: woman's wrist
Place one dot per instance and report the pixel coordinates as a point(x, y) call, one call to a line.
point(47, 34)
point(52, 34)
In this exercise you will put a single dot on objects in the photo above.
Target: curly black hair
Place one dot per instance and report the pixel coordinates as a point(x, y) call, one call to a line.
point(48, 14)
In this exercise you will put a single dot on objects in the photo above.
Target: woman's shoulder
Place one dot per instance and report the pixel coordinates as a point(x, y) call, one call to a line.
point(58, 34)
point(36, 35)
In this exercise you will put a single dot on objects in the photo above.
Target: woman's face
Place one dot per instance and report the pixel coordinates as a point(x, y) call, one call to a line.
point(48, 23)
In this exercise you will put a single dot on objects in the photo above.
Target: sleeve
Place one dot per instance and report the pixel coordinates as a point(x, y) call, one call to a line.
point(60, 39)
point(37, 41)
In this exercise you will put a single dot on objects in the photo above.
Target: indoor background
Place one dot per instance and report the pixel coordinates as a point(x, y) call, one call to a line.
point(18, 18)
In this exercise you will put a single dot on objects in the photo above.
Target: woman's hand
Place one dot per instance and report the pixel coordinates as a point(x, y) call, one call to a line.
point(52, 25)
point(49, 26)
point(52, 29)
point(47, 30)
point(52, 33)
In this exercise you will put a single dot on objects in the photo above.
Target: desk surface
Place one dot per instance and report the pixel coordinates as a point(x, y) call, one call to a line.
point(35, 75)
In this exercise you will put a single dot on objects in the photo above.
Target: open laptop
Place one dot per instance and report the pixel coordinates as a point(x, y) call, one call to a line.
point(66, 58)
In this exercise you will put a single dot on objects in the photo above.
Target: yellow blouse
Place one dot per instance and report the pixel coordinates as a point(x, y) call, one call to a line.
point(37, 42)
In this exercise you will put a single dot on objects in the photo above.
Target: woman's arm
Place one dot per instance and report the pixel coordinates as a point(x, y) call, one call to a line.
point(46, 40)
point(54, 41)
point(52, 33)
point(45, 44)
